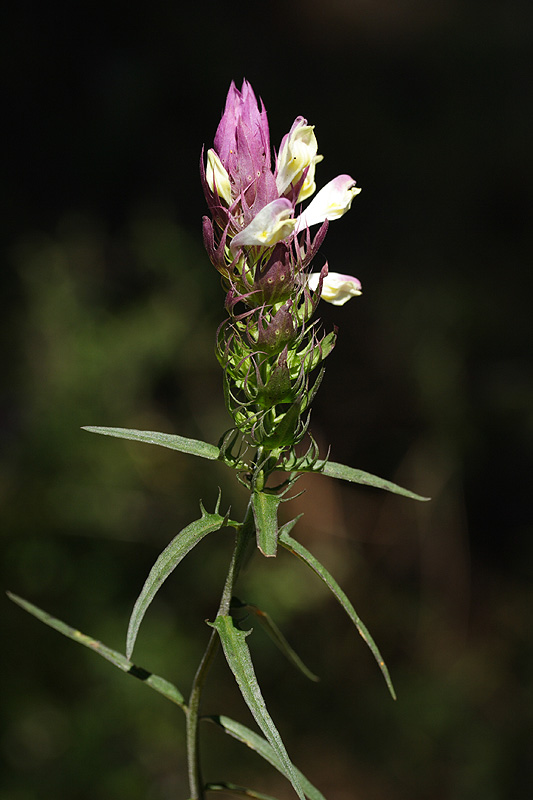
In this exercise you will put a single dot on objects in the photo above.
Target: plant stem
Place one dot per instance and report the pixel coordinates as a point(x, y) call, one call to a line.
point(244, 533)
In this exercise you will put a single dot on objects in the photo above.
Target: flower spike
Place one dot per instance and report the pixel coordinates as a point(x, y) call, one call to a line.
point(258, 238)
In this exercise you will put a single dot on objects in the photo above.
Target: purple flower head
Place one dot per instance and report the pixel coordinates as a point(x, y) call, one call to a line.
point(242, 121)
point(258, 235)
point(242, 143)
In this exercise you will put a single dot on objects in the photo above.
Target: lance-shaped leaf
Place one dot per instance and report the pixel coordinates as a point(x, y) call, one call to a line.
point(265, 507)
point(299, 550)
point(256, 742)
point(167, 562)
point(238, 657)
point(155, 682)
point(194, 447)
point(334, 470)
point(270, 627)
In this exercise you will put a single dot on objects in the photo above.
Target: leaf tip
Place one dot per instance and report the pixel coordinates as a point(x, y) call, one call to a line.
point(265, 553)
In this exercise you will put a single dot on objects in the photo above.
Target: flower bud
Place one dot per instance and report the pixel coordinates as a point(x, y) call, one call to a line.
point(274, 278)
point(242, 143)
point(217, 177)
point(272, 336)
point(278, 388)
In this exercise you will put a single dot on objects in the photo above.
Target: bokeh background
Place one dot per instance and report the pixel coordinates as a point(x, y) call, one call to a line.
point(109, 311)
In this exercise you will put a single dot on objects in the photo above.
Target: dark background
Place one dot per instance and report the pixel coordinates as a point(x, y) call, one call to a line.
point(110, 310)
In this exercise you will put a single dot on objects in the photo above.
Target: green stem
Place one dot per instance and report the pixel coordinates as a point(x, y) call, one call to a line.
point(243, 536)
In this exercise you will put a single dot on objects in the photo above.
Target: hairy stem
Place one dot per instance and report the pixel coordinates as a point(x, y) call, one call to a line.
point(243, 536)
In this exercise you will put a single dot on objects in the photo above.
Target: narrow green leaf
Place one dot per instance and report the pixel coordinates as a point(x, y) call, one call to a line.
point(265, 507)
point(238, 791)
point(194, 447)
point(238, 657)
point(256, 742)
point(155, 682)
point(334, 470)
point(270, 627)
point(299, 550)
point(167, 562)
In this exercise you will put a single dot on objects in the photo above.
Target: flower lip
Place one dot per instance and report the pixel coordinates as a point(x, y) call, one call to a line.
point(331, 202)
point(337, 288)
point(270, 225)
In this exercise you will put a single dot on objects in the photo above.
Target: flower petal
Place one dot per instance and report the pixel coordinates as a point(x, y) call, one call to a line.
point(272, 224)
point(337, 289)
point(332, 201)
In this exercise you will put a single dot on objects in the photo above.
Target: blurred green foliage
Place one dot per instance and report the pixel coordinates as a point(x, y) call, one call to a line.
point(110, 311)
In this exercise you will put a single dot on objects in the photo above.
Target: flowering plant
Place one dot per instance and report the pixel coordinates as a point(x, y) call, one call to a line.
point(272, 350)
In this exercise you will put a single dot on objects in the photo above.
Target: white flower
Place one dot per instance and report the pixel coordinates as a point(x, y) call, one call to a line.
point(272, 224)
point(336, 288)
point(217, 177)
point(332, 201)
point(298, 151)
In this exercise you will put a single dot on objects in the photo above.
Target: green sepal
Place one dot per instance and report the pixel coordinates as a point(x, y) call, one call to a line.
point(193, 447)
point(334, 470)
point(167, 562)
point(278, 387)
point(299, 550)
point(310, 462)
point(228, 442)
point(318, 352)
point(270, 627)
point(310, 394)
point(238, 791)
point(155, 682)
point(265, 507)
point(260, 746)
point(287, 430)
point(239, 660)
point(309, 357)
point(324, 348)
